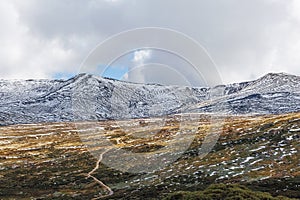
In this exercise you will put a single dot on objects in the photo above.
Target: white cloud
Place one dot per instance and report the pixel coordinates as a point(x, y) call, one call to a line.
point(24, 56)
point(125, 77)
point(294, 8)
point(246, 39)
point(113, 1)
point(140, 56)
point(135, 73)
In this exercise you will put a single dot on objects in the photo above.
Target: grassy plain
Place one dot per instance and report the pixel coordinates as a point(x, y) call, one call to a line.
point(53, 160)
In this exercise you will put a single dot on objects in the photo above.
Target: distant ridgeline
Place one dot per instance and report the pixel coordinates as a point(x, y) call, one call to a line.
point(87, 97)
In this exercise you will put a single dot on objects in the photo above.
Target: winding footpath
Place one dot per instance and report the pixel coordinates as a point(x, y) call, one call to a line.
point(105, 187)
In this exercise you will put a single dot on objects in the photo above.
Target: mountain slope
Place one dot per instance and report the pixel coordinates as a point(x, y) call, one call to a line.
point(87, 97)
point(270, 94)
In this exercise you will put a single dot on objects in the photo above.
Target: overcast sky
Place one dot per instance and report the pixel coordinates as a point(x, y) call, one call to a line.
point(246, 39)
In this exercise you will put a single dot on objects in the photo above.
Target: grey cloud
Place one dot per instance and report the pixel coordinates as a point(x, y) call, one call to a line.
point(245, 38)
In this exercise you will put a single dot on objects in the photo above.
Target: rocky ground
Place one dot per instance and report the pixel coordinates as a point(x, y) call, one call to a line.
point(59, 160)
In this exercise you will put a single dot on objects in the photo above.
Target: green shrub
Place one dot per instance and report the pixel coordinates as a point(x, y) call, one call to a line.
point(223, 192)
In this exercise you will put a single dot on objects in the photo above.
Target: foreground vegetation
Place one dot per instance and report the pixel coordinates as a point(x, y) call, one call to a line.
point(223, 192)
point(55, 160)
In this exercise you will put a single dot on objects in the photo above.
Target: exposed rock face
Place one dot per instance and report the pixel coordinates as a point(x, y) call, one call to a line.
point(87, 97)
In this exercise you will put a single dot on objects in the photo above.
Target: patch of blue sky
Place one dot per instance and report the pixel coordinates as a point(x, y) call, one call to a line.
point(115, 72)
point(63, 75)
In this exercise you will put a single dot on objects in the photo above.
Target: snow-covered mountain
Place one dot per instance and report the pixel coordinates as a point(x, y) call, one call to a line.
point(87, 97)
point(273, 93)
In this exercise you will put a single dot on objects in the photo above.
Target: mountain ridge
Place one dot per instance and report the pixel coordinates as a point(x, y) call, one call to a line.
point(89, 97)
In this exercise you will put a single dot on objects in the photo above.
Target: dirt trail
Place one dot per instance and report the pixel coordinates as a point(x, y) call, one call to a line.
point(89, 175)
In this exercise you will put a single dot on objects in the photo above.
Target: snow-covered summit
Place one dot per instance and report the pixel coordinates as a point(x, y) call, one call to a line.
point(89, 97)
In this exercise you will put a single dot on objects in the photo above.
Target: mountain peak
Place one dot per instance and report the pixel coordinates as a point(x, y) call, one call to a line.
point(88, 76)
point(91, 97)
point(278, 78)
point(276, 75)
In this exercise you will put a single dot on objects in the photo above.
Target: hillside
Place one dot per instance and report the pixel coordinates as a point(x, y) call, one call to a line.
point(51, 161)
point(86, 97)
